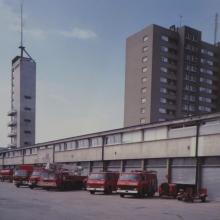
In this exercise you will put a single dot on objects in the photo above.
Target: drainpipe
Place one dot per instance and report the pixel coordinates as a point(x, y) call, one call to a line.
point(198, 164)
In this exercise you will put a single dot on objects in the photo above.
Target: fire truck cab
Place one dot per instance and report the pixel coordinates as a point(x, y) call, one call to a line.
point(105, 182)
point(138, 183)
point(22, 174)
point(35, 178)
point(6, 174)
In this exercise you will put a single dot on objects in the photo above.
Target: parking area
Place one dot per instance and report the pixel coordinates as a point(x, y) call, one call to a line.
point(23, 203)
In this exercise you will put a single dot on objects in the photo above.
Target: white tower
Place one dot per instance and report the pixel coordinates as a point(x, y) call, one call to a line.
point(23, 98)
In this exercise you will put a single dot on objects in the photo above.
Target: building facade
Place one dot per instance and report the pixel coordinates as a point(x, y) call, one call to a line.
point(23, 102)
point(180, 151)
point(170, 73)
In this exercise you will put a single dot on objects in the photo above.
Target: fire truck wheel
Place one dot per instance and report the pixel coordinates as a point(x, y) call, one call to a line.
point(17, 185)
point(31, 187)
point(122, 195)
point(109, 191)
point(203, 199)
point(92, 192)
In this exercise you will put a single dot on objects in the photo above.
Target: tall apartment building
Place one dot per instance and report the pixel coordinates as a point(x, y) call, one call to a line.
point(170, 73)
point(23, 101)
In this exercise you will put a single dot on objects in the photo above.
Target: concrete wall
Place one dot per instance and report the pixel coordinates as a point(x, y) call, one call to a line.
point(91, 154)
point(184, 147)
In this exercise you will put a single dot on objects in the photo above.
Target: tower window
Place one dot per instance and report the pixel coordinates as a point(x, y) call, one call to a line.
point(27, 97)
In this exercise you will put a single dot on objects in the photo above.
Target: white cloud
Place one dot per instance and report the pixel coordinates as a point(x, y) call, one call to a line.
point(78, 33)
point(10, 19)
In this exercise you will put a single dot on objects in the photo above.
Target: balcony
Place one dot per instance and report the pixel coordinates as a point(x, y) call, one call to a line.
point(11, 146)
point(12, 124)
point(12, 113)
point(12, 134)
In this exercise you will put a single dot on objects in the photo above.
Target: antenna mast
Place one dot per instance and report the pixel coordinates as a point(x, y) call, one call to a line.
point(22, 48)
point(181, 18)
point(216, 28)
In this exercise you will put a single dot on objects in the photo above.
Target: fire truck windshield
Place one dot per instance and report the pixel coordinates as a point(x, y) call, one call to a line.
point(21, 173)
point(36, 173)
point(133, 177)
point(97, 176)
point(48, 176)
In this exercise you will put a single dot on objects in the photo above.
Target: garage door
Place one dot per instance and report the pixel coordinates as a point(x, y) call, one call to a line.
point(211, 177)
point(158, 165)
point(97, 166)
point(183, 171)
point(132, 165)
point(114, 165)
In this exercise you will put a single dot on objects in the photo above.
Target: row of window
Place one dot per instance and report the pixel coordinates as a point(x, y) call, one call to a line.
point(192, 98)
point(167, 101)
point(168, 60)
point(167, 91)
point(205, 61)
point(166, 111)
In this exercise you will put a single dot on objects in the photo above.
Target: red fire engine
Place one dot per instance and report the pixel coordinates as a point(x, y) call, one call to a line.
point(61, 177)
point(139, 183)
point(6, 174)
point(105, 182)
point(35, 178)
point(22, 174)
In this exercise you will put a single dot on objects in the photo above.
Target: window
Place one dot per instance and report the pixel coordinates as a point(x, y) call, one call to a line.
point(206, 90)
point(209, 72)
point(27, 132)
point(27, 97)
point(163, 69)
point(210, 63)
point(70, 145)
point(163, 100)
point(144, 79)
point(164, 59)
point(208, 81)
point(113, 139)
point(142, 121)
point(163, 79)
point(205, 99)
point(83, 143)
point(144, 69)
point(144, 59)
point(204, 108)
point(163, 90)
point(164, 38)
point(145, 49)
point(189, 87)
point(27, 120)
point(143, 100)
point(27, 109)
point(143, 110)
point(96, 142)
point(162, 110)
point(164, 49)
point(145, 38)
point(144, 90)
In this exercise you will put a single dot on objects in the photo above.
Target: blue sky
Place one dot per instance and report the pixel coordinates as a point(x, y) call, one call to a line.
point(79, 47)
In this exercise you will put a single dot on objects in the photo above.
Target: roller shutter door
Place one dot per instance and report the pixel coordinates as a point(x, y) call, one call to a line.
point(183, 171)
point(114, 165)
point(158, 165)
point(211, 177)
point(132, 165)
point(85, 166)
point(97, 166)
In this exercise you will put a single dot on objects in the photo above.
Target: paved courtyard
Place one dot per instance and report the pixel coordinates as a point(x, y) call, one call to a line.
point(26, 204)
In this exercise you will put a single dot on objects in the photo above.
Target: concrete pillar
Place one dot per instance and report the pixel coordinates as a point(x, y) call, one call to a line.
point(142, 164)
point(90, 166)
point(169, 170)
point(122, 166)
